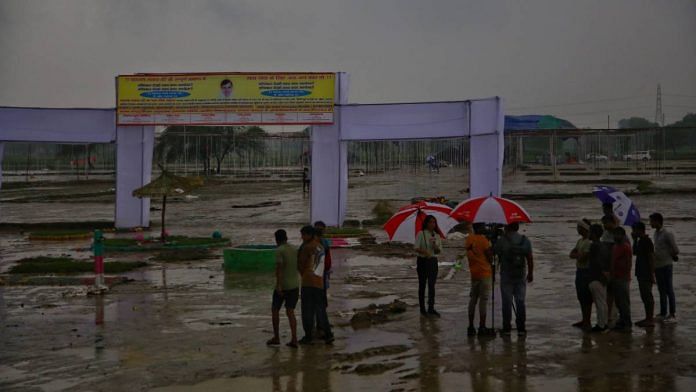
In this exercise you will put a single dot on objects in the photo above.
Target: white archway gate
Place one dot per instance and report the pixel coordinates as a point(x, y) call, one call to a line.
point(480, 120)
point(134, 147)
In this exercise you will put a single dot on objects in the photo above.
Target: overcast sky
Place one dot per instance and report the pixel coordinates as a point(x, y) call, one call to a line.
point(580, 60)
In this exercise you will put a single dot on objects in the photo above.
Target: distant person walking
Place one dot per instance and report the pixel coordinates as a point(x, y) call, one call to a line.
point(286, 288)
point(478, 253)
point(516, 270)
point(433, 165)
point(310, 264)
point(644, 250)
point(599, 274)
point(305, 180)
point(621, 261)
point(666, 252)
point(428, 246)
point(580, 254)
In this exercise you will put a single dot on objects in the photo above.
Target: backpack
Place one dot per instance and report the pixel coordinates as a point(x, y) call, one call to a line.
point(515, 256)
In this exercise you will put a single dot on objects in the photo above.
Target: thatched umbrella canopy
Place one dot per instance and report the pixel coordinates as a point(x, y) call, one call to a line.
point(168, 184)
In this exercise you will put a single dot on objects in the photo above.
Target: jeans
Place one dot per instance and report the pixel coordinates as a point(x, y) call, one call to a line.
point(313, 307)
point(599, 297)
point(645, 287)
point(663, 276)
point(513, 289)
point(582, 286)
point(622, 299)
point(427, 274)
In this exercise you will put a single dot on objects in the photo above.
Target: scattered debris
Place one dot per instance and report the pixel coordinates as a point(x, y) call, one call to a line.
point(376, 314)
point(367, 294)
point(387, 249)
point(376, 368)
point(258, 205)
point(371, 352)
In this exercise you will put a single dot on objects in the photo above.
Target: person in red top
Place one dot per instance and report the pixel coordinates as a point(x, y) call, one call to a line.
point(620, 271)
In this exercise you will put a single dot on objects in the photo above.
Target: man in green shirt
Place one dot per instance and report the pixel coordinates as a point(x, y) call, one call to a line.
point(286, 289)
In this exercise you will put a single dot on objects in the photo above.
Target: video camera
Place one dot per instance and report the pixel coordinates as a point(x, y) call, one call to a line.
point(493, 231)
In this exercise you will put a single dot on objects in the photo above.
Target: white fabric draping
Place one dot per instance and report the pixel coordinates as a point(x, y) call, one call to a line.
point(57, 125)
point(404, 121)
point(133, 170)
point(480, 119)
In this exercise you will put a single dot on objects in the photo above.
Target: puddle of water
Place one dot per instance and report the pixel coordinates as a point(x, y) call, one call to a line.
point(310, 381)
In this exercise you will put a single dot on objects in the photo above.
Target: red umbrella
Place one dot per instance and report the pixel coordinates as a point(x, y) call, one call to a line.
point(490, 209)
point(408, 221)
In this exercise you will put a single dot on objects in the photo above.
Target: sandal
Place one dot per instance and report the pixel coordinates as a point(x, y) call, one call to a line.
point(273, 342)
point(292, 344)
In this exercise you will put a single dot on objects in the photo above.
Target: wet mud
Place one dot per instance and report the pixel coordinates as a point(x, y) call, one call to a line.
point(188, 326)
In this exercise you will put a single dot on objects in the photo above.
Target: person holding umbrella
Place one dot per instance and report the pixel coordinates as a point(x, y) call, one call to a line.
point(428, 246)
point(516, 270)
point(513, 250)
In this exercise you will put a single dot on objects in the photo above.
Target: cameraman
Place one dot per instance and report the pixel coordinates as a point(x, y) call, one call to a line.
point(516, 270)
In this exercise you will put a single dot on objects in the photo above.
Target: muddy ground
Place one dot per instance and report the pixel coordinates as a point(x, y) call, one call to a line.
point(188, 326)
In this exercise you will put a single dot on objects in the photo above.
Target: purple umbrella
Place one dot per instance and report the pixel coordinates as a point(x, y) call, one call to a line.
point(624, 208)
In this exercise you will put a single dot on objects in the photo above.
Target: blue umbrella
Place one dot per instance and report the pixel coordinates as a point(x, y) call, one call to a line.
point(624, 208)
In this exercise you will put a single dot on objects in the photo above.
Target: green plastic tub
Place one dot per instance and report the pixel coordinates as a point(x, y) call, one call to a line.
point(246, 258)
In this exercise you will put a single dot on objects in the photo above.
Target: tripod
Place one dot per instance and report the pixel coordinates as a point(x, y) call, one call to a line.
point(493, 264)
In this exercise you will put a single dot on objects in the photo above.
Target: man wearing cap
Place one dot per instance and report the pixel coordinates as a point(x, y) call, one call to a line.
point(666, 252)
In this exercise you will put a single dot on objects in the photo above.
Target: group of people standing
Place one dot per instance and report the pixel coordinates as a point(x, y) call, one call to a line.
point(302, 273)
point(604, 259)
point(514, 252)
point(603, 256)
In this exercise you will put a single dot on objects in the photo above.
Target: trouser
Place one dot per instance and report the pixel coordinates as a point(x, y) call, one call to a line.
point(645, 287)
point(313, 306)
point(427, 274)
point(663, 276)
point(599, 297)
point(325, 304)
point(622, 299)
point(582, 282)
point(612, 308)
point(513, 289)
point(480, 290)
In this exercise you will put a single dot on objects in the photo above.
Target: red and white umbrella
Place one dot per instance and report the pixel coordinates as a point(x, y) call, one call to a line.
point(490, 209)
point(408, 221)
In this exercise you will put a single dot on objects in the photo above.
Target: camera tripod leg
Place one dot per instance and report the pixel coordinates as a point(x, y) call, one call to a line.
point(493, 296)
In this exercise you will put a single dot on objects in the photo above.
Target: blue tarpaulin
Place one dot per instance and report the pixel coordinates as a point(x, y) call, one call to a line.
point(535, 121)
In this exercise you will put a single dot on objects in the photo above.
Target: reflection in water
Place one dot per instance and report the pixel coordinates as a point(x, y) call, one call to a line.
point(98, 326)
point(249, 281)
point(164, 283)
point(480, 367)
point(651, 344)
point(316, 375)
point(428, 353)
point(289, 368)
point(516, 372)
